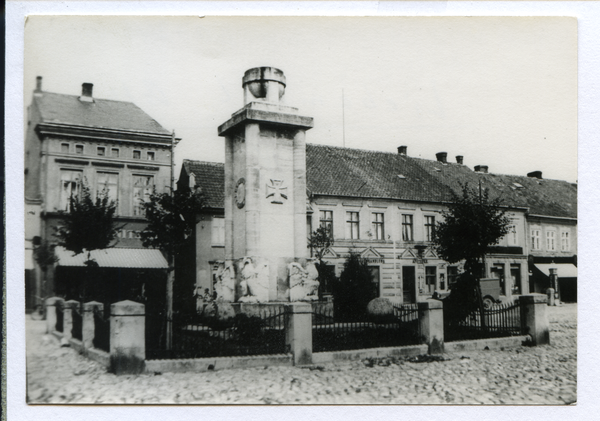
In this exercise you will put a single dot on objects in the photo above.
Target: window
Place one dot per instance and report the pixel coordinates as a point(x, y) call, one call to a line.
point(378, 229)
point(497, 271)
point(143, 186)
point(326, 220)
point(511, 236)
point(407, 228)
point(137, 154)
point(429, 227)
point(535, 239)
point(218, 231)
point(374, 271)
point(550, 240)
point(150, 156)
point(430, 276)
point(70, 185)
point(352, 225)
point(114, 152)
point(452, 274)
point(308, 226)
point(101, 151)
point(515, 274)
point(565, 242)
point(79, 149)
point(110, 182)
point(64, 147)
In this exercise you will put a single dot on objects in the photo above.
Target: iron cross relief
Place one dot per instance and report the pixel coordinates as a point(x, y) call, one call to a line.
point(277, 192)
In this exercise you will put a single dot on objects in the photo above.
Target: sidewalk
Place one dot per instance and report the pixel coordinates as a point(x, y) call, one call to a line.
point(523, 375)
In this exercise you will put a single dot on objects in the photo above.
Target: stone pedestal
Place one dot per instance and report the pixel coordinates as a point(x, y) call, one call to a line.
point(87, 326)
point(535, 318)
point(265, 188)
point(550, 295)
point(298, 333)
point(51, 304)
point(431, 321)
point(68, 319)
point(127, 337)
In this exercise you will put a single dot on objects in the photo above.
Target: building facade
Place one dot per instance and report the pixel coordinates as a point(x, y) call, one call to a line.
point(77, 140)
point(384, 206)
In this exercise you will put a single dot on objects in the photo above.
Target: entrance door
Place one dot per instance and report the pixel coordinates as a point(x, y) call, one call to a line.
point(408, 284)
point(515, 273)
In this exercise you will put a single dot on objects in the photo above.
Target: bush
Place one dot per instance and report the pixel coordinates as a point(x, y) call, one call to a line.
point(353, 290)
point(462, 300)
point(380, 310)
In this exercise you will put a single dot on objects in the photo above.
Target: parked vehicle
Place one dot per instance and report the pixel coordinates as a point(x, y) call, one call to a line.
point(490, 291)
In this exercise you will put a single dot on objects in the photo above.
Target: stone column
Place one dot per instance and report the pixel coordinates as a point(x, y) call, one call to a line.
point(534, 318)
point(300, 246)
point(127, 337)
point(51, 304)
point(298, 332)
point(550, 294)
point(87, 324)
point(68, 320)
point(431, 322)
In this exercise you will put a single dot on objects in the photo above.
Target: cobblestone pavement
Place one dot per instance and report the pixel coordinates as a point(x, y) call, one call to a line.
point(523, 375)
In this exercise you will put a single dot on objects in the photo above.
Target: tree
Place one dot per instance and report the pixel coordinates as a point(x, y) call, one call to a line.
point(354, 289)
point(171, 221)
point(472, 223)
point(88, 225)
point(319, 241)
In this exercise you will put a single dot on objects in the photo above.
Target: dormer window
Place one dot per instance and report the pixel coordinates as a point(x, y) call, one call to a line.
point(101, 151)
point(137, 155)
point(150, 156)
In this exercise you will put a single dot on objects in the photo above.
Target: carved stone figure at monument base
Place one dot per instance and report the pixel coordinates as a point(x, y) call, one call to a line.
point(304, 285)
point(255, 281)
point(225, 285)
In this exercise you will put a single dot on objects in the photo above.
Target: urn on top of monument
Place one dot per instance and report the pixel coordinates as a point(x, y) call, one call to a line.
point(263, 84)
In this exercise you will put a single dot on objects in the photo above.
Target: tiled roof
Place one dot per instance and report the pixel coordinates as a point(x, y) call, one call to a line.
point(210, 176)
point(541, 196)
point(102, 113)
point(336, 171)
point(340, 171)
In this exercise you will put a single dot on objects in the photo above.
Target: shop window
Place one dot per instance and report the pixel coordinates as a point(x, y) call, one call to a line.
point(515, 274)
point(430, 278)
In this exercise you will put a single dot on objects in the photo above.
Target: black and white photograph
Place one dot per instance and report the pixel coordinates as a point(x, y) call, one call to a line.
point(300, 210)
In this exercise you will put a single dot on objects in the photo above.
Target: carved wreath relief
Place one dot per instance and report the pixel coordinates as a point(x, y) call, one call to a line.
point(240, 193)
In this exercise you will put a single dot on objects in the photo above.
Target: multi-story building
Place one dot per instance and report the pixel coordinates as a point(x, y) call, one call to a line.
point(384, 206)
point(77, 140)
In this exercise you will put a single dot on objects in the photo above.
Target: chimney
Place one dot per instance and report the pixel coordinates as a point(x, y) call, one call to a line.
point(86, 92)
point(38, 84)
point(441, 156)
point(402, 150)
point(459, 159)
point(535, 174)
point(481, 168)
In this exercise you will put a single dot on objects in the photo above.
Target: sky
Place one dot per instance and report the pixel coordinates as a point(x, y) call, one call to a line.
point(500, 91)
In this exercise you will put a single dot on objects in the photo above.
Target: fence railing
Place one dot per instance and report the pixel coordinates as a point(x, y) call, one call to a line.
point(261, 333)
point(401, 328)
point(60, 316)
point(500, 320)
point(101, 330)
point(77, 317)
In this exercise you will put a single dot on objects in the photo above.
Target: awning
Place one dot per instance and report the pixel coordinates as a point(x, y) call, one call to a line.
point(564, 270)
point(115, 258)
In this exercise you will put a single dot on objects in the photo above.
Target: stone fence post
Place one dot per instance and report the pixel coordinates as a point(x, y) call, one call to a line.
point(298, 332)
point(68, 319)
point(88, 327)
point(127, 337)
point(534, 317)
point(431, 322)
point(51, 304)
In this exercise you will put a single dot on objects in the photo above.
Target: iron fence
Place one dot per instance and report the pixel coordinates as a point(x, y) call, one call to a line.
point(77, 330)
point(259, 333)
point(501, 320)
point(101, 330)
point(398, 329)
point(60, 316)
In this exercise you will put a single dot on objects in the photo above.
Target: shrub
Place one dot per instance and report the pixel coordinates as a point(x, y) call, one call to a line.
point(353, 290)
point(380, 310)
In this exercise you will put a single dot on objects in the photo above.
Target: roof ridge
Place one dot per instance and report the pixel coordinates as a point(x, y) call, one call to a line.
point(194, 161)
point(77, 96)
